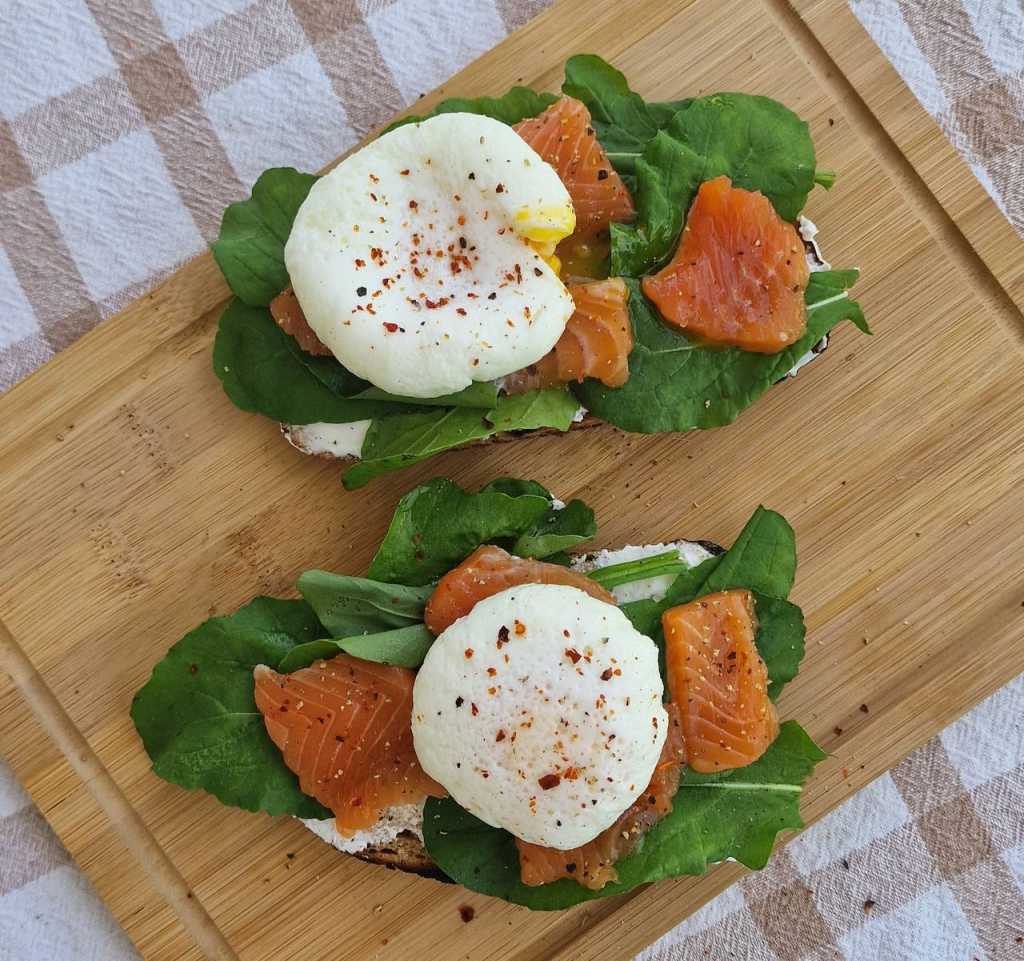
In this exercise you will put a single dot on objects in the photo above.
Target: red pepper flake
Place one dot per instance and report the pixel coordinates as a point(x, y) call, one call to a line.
point(462, 220)
point(500, 189)
point(360, 263)
point(492, 691)
point(434, 304)
point(375, 178)
point(467, 913)
point(413, 205)
point(606, 675)
point(468, 652)
point(474, 709)
point(500, 736)
point(519, 274)
point(460, 311)
point(572, 653)
point(571, 773)
point(548, 781)
point(390, 327)
point(491, 671)
point(404, 173)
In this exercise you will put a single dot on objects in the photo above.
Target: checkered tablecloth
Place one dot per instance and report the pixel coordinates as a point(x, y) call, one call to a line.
point(126, 126)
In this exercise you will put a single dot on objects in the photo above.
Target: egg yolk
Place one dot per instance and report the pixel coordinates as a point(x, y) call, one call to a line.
point(543, 227)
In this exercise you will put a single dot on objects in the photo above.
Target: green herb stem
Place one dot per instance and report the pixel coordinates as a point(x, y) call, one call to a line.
point(655, 566)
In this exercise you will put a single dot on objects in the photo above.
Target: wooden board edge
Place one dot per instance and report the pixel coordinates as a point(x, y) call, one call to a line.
point(831, 19)
point(796, 27)
point(164, 877)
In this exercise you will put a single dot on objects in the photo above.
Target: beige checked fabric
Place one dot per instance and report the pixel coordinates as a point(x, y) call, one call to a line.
point(126, 126)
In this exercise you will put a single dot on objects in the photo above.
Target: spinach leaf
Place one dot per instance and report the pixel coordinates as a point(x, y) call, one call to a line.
point(400, 647)
point(405, 439)
point(250, 248)
point(261, 371)
point(733, 815)
point(438, 524)
point(515, 105)
point(755, 141)
point(349, 605)
point(557, 530)
point(197, 715)
point(761, 559)
point(625, 123)
point(675, 384)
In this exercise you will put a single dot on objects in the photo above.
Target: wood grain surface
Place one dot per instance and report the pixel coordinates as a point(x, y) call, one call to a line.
point(135, 501)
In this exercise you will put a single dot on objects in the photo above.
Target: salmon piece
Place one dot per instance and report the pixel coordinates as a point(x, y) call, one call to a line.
point(720, 681)
point(490, 570)
point(593, 864)
point(564, 136)
point(596, 342)
point(739, 274)
point(285, 310)
point(344, 726)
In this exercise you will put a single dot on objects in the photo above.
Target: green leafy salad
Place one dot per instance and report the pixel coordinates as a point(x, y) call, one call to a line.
point(199, 722)
point(663, 151)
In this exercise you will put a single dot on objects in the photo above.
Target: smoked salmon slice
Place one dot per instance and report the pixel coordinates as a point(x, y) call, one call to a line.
point(596, 341)
point(285, 310)
point(739, 274)
point(490, 570)
point(718, 678)
point(344, 726)
point(564, 136)
point(593, 864)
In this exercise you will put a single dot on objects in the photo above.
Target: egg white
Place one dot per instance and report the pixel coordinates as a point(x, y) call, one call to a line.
point(574, 691)
point(418, 259)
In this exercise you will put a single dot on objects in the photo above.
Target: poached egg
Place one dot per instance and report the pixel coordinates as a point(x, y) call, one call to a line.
point(422, 260)
point(541, 713)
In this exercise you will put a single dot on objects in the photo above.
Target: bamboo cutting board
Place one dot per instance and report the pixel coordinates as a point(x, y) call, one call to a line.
point(135, 501)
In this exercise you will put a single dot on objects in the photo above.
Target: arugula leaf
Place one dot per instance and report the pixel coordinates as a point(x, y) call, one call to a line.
point(197, 714)
point(253, 232)
point(261, 371)
point(557, 531)
point(349, 605)
point(515, 105)
point(755, 141)
point(438, 524)
point(399, 647)
point(733, 815)
point(555, 408)
point(405, 439)
point(675, 384)
point(482, 394)
point(625, 123)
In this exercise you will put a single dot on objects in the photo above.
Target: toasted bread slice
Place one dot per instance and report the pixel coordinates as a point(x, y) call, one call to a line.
point(342, 442)
point(396, 841)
